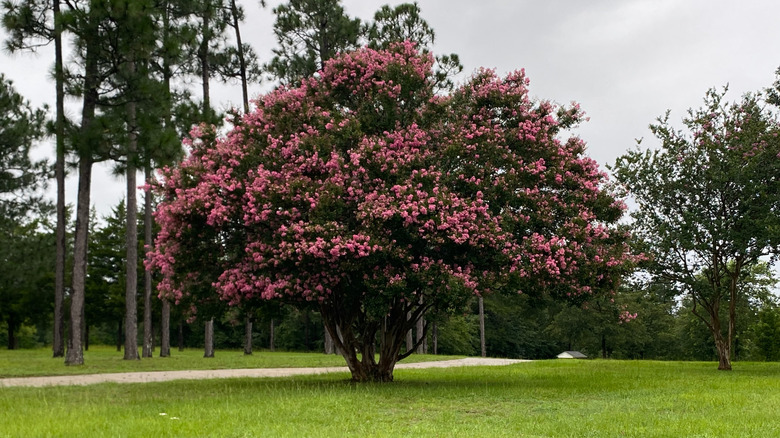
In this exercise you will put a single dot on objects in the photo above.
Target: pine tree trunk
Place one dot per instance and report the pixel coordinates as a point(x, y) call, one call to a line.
point(131, 236)
point(148, 347)
point(203, 58)
point(165, 328)
point(75, 353)
point(209, 339)
point(241, 60)
point(483, 349)
point(85, 150)
point(58, 341)
point(248, 336)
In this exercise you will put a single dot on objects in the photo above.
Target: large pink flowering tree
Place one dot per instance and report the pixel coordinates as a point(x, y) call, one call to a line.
point(364, 193)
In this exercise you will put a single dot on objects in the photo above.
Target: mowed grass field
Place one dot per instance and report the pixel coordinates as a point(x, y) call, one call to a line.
point(546, 398)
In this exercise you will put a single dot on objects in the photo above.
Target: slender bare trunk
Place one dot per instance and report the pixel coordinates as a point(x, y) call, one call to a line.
point(241, 60)
point(165, 311)
point(86, 149)
point(483, 349)
point(248, 335)
point(131, 241)
point(209, 339)
point(165, 328)
point(75, 353)
point(148, 347)
point(58, 341)
point(203, 58)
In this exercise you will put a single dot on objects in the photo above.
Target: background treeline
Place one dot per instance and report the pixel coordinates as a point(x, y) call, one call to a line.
point(524, 326)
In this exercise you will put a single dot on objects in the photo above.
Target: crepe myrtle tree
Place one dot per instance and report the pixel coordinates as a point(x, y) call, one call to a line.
point(708, 205)
point(366, 194)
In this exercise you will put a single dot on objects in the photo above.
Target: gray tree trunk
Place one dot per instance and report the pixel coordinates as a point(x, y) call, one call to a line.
point(248, 335)
point(328, 340)
point(419, 335)
point(241, 60)
point(85, 149)
point(75, 353)
point(131, 241)
point(58, 340)
point(209, 339)
point(203, 57)
point(483, 350)
point(409, 335)
point(165, 329)
point(148, 344)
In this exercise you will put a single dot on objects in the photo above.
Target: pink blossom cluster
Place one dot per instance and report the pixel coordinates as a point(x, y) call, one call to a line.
point(364, 183)
point(626, 316)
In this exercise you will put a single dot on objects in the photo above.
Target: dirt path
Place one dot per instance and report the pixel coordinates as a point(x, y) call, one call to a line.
point(162, 376)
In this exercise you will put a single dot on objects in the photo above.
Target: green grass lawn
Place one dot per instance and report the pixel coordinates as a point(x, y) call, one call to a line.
point(104, 359)
point(546, 398)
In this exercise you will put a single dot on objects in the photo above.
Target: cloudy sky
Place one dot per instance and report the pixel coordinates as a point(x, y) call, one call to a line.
point(625, 61)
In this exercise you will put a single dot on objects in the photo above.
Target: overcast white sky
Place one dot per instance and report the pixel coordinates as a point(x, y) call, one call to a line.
point(625, 61)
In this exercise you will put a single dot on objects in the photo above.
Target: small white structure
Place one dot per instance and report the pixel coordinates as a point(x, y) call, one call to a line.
point(572, 355)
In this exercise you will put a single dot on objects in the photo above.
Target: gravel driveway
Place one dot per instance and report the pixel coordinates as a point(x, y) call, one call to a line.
point(162, 376)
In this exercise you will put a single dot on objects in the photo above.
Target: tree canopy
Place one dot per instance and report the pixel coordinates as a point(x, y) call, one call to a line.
point(366, 193)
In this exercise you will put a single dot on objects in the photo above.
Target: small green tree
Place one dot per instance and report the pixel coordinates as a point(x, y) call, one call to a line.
point(708, 202)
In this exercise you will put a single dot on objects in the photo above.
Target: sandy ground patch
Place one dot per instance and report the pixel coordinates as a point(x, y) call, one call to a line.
point(162, 376)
